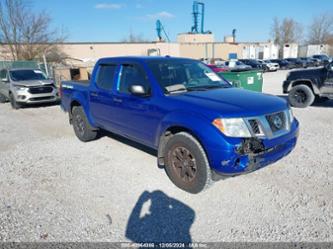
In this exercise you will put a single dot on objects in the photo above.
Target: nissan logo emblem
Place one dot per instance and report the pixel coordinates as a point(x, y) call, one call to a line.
point(277, 121)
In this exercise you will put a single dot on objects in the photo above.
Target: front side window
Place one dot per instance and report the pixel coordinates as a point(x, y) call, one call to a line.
point(105, 76)
point(185, 75)
point(132, 75)
point(27, 74)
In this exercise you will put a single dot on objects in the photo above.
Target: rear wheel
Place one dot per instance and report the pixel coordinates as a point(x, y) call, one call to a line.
point(186, 163)
point(83, 130)
point(301, 96)
point(13, 102)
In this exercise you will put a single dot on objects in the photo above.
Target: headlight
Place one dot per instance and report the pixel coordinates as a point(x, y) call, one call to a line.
point(232, 127)
point(19, 88)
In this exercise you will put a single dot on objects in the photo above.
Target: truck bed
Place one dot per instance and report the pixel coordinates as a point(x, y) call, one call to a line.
point(71, 90)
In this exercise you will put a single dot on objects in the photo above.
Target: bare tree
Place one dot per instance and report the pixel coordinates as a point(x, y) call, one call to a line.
point(26, 34)
point(321, 29)
point(286, 31)
point(276, 31)
point(132, 37)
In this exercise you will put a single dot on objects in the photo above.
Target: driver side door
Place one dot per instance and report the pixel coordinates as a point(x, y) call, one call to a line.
point(135, 116)
point(327, 87)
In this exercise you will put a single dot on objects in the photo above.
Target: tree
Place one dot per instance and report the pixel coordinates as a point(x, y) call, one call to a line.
point(321, 29)
point(132, 37)
point(26, 34)
point(286, 31)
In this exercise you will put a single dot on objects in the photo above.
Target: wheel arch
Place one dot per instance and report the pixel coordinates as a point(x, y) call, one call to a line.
point(168, 133)
point(78, 102)
point(306, 82)
point(71, 106)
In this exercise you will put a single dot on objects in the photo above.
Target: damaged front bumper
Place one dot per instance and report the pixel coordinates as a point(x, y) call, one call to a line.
point(247, 155)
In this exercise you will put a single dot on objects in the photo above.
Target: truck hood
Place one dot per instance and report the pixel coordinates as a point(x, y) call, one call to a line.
point(28, 83)
point(305, 73)
point(232, 102)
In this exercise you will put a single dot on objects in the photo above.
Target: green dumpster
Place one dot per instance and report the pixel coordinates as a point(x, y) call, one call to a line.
point(250, 80)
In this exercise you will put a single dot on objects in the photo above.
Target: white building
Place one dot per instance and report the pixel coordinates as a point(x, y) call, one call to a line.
point(290, 50)
point(317, 49)
point(260, 50)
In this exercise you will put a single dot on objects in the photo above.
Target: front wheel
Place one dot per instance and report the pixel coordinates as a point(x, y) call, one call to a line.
point(83, 130)
point(301, 96)
point(13, 102)
point(186, 163)
point(3, 98)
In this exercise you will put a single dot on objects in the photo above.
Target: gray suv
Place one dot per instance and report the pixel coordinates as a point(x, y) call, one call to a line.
point(26, 86)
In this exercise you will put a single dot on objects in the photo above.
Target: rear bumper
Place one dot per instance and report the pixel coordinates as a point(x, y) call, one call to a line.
point(231, 162)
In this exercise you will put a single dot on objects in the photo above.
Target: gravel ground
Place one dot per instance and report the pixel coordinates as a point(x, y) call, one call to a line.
point(55, 188)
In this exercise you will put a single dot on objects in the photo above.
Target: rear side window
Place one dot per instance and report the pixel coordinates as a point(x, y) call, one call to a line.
point(105, 76)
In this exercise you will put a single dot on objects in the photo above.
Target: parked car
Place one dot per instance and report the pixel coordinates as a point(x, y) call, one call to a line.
point(199, 124)
point(272, 66)
point(26, 86)
point(237, 66)
point(218, 61)
point(316, 61)
point(296, 63)
point(218, 68)
point(205, 60)
point(254, 64)
point(308, 62)
point(324, 59)
point(304, 87)
point(282, 63)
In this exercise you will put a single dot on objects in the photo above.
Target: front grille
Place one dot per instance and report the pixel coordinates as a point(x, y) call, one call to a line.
point(41, 98)
point(277, 121)
point(255, 126)
point(40, 89)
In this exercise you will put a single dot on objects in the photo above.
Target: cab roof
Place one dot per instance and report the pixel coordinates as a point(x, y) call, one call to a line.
point(140, 58)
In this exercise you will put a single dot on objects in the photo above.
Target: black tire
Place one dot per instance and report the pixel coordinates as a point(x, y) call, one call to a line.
point(301, 96)
point(320, 100)
point(186, 163)
point(13, 102)
point(3, 98)
point(83, 130)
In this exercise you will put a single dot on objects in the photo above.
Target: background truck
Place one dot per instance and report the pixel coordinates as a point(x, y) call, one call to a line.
point(304, 87)
point(26, 86)
point(200, 125)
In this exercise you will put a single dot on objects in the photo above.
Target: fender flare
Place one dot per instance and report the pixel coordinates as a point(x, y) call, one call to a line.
point(81, 99)
point(313, 86)
point(203, 130)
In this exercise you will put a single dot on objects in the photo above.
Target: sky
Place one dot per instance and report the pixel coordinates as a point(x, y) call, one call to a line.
point(114, 20)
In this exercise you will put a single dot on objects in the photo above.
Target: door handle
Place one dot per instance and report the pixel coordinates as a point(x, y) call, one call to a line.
point(94, 94)
point(117, 100)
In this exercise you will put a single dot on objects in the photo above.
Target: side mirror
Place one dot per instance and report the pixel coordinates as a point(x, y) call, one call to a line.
point(138, 90)
point(5, 80)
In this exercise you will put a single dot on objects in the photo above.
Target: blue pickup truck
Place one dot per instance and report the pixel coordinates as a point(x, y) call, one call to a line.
point(200, 125)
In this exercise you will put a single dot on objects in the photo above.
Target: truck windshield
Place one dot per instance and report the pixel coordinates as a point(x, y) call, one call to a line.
point(185, 75)
point(27, 74)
